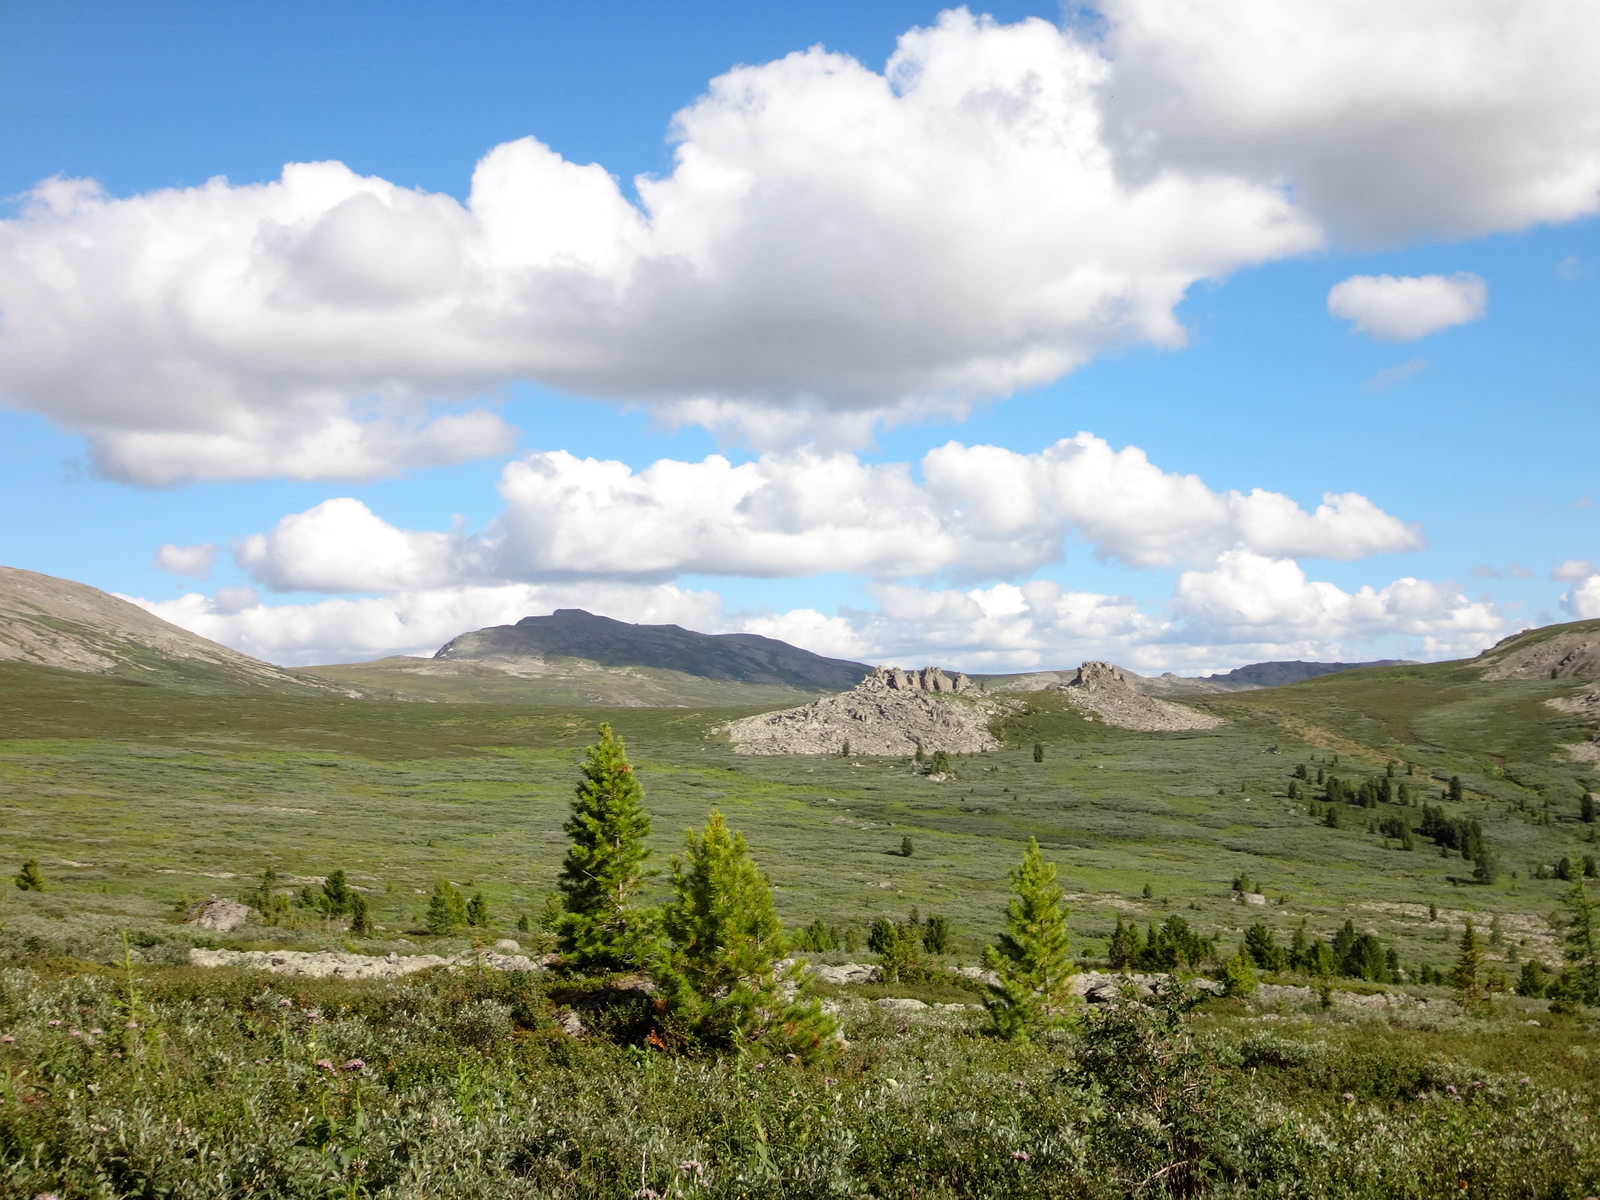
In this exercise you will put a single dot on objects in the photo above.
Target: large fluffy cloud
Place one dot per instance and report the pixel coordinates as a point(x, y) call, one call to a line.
point(978, 512)
point(830, 239)
point(1582, 600)
point(1404, 308)
point(834, 246)
point(1391, 118)
point(1249, 598)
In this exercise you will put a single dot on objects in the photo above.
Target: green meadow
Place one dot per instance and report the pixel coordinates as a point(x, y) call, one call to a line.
point(135, 797)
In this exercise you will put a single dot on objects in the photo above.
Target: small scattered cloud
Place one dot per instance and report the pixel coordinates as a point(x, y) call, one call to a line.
point(1393, 376)
point(1583, 502)
point(1573, 569)
point(1518, 571)
point(1571, 267)
point(1485, 571)
point(1403, 308)
point(192, 562)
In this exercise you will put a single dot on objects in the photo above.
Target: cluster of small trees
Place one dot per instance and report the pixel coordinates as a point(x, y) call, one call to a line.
point(449, 910)
point(901, 944)
point(1171, 946)
point(713, 949)
point(334, 900)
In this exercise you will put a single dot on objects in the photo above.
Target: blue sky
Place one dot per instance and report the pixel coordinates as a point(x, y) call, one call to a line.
point(1472, 442)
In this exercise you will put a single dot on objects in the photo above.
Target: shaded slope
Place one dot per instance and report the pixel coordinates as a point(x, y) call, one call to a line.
point(733, 657)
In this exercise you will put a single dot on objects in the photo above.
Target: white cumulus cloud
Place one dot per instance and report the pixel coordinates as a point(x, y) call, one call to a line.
point(978, 512)
point(1583, 600)
point(1392, 119)
point(1572, 570)
point(831, 240)
point(1405, 307)
point(195, 562)
point(1250, 598)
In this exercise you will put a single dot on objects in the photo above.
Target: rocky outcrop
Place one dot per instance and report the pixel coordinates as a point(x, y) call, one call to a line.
point(1105, 690)
point(891, 711)
point(1539, 654)
point(217, 912)
point(326, 964)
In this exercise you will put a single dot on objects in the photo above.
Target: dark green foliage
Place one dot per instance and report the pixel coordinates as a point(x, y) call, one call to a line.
point(1564, 870)
point(819, 937)
point(523, 924)
point(1582, 948)
point(1241, 883)
point(1331, 818)
point(844, 751)
point(604, 869)
point(1588, 866)
point(1263, 948)
point(359, 914)
point(1162, 1115)
point(1486, 865)
point(1533, 980)
point(1455, 792)
point(274, 907)
point(1358, 955)
point(478, 911)
point(1468, 975)
point(1032, 957)
point(907, 847)
point(1398, 827)
point(1586, 808)
point(1038, 752)
point(939, 764)
point(31, 878)
point(1460, 834)
point(1173, 946)
point(1125, 944)
point(1300, 771)
point(937, 935)
point(447, 909)
point(335, 898)
point(898, 944)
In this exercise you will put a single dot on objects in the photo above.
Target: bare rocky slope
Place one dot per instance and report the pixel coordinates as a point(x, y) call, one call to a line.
point(891, 711)
point(59, 623)
point(1106, 690)
point(1570, 651)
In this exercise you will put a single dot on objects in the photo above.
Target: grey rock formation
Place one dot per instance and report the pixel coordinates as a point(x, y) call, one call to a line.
point(217, 912)
point(325, 964)
point(891, 711)
point(1105, 689)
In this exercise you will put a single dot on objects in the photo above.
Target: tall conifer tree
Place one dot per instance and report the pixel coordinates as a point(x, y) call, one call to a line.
point(604, 867)
point(1032, 959)
point(1582, 950)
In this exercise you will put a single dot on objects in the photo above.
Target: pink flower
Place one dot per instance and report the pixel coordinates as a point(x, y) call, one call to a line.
point(1020, 1155)
point(1349, 1098)
point(53, 1024)
point(96, 1032)
point(75, 1033)
point(8, 1039)
point(927, 1078)
point(1451, 1088)
point(829, 1082)
point(792, 1057)
point(325, 1063)
point(354, 1064)
point(285, 1003)
point(1524, 1081)
point(131, 1025)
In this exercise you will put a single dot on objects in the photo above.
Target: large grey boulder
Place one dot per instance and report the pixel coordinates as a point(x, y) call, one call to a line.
point(218, 913)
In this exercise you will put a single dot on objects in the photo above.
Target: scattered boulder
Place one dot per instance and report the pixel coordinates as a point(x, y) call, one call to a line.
point(217, 912)
point(844, 974)
point(508, 946)
point(899, 1004)
point(1106, 690)
point(890, 712)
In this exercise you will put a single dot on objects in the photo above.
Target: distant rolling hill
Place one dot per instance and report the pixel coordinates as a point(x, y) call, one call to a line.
point(1281, 674)
point(577, 657)
point(50, 622)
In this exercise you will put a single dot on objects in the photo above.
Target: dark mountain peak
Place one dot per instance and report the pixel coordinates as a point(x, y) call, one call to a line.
point(736, 657)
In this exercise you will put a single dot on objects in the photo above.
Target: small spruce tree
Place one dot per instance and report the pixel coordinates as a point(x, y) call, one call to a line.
point(1033, 958)
point(1582, 950)
point(359, 914)
point(447, 911)
point(335, 898)
point(31, 878)
point(1468, 975)
point(721, 974)
point(604, 867)
point(478, 911)
point(1239, 977)
point(1038, 752)
point(907, 847)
